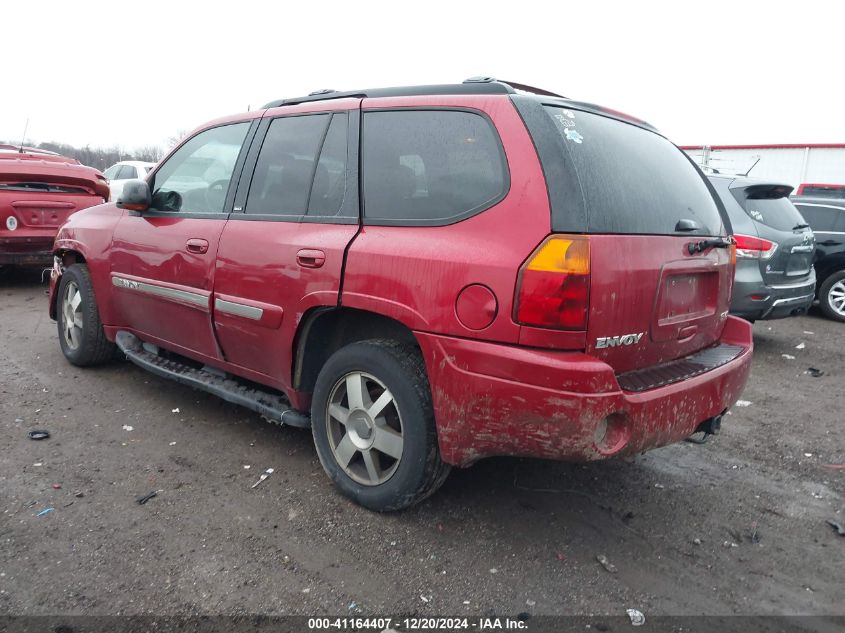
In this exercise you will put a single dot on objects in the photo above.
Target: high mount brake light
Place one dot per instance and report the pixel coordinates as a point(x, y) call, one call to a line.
point(748, 247)
point(553, 287)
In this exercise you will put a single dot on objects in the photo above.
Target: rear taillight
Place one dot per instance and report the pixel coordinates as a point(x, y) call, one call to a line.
point(553, 287)
point(748, 247)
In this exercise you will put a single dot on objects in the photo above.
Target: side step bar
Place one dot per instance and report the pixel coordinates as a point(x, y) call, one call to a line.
point(274, 407)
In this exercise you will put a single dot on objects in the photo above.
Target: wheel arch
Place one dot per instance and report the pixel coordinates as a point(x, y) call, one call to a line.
point(832, 265)
point(68, 257)
point(324, 330)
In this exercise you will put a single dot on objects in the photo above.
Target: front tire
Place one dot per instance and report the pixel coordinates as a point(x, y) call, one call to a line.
point(832, 296)
point(81, 334)
point(373, 425)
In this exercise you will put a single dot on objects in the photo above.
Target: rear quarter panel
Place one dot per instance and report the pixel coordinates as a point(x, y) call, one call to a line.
point(415, 274)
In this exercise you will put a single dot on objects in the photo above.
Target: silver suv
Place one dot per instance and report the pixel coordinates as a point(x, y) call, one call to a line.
point(774, 251)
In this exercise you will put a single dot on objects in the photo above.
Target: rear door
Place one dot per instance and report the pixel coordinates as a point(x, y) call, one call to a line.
point(282, 251)
point(642, 203)
point(827, 219)
point(777, 220)
point(162, 260)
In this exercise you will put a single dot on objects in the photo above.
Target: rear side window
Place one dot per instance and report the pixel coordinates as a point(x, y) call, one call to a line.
point(430, 167)
point(127, 172)
point(301, 168)
point(285, 169)
point(823, 217)
point(608, 176)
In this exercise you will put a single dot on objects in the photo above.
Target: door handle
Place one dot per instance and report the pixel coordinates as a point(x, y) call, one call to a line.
point(310, 258)
point(196, 245)
point(828, 243)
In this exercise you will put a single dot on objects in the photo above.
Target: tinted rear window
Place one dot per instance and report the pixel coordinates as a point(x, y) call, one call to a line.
point(607, 176)
point(778, 213)
point(429, 167)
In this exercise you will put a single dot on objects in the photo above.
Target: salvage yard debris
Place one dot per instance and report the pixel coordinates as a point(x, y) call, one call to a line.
point(144, 498)
point(38, 434)
point(264, 476)
point(637, 617)
point(601, 558)
point(837, 526)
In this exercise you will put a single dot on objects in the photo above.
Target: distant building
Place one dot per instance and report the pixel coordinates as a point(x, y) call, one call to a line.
point(792, 164)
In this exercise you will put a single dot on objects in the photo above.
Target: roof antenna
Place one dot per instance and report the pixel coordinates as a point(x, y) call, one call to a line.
point(750, 168)
point(23, 138)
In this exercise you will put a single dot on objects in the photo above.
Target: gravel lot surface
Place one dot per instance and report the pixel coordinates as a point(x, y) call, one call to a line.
point(735, 526)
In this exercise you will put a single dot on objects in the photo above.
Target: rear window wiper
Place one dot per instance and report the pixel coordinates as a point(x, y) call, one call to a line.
point(703, 245)
point(800, 226)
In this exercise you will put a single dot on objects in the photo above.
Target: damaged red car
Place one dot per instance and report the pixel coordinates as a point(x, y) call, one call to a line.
point(424, 276)
point(38, 191)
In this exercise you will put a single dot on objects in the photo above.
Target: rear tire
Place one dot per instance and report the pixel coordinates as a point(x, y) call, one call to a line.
point(373, 425)
point(832, 296)
point(81, 334)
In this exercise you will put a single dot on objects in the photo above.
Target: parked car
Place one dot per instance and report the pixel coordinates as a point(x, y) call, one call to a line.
point(820, 190)
point(38, 192)
point(119, 173)
point(827, 218)
point(425, 276)
point(774, 249)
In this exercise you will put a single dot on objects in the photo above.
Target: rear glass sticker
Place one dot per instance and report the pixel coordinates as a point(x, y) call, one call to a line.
point(564, 121)
point(573, 135)
point(756, 215)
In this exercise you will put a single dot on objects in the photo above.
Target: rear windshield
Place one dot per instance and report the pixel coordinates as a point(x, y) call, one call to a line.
point(778, 213)
point(619, 178)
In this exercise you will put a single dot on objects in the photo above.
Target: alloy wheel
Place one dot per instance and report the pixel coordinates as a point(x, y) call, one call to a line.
point(72, 315)
point(364, 428)
point(836, 297)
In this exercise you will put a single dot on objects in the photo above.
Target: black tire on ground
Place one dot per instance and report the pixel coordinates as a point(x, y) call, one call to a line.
point(399, 367)
point(86, 345)
point(825, 298)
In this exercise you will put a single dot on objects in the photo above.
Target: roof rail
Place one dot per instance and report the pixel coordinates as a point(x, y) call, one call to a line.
point(514, 85)
point(532, 89)
point(473, 85)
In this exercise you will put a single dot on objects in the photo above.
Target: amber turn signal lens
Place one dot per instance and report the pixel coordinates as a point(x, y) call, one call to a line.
point(562, 255)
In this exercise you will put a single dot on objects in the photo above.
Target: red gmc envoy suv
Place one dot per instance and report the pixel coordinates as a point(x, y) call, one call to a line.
point(424, 276)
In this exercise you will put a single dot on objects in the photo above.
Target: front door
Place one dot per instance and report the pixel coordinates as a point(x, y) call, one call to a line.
point(163, 259)
point(283, 254)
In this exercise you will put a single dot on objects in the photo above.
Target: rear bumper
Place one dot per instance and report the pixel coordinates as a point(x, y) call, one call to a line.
point(780, 300)
point(29, 250)
point(492, 399)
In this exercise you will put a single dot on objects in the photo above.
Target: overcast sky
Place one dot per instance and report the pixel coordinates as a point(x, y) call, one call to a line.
point(136, 73)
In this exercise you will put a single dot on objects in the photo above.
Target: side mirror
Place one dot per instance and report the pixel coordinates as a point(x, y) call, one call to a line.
point(135, 196)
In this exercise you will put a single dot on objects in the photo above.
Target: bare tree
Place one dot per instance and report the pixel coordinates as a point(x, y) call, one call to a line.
point(148, 153)
point(174, 140)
